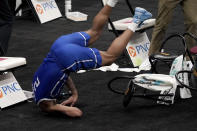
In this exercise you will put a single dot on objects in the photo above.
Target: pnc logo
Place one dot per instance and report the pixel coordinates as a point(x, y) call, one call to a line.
point(132, 51)
point(9, 89)
point(39, 9)
point(1, 94)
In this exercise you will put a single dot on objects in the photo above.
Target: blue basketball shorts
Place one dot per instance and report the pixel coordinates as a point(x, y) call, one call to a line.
point(69, 53)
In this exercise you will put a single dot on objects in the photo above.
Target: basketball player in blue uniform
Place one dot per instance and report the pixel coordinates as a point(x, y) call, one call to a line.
point(70, 53)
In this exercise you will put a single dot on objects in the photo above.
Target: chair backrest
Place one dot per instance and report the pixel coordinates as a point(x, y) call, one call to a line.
point(182, 38)
point(114, 30)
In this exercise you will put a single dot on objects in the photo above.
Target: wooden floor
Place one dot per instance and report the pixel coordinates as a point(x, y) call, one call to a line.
point(103, 110)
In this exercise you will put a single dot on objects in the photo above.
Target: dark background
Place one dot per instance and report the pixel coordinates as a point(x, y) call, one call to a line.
point(102, 109)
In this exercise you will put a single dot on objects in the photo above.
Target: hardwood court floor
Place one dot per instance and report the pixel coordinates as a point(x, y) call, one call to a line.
point(103, 110)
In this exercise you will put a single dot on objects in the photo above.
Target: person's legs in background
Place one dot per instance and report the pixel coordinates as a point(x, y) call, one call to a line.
point(6, 22)
point(190, 20)
point(165, 10)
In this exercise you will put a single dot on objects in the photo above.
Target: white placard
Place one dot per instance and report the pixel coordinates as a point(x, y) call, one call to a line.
point(46, 10)
point(180, 64)
point(138, 48)
point(7, 63)
point(10, 91)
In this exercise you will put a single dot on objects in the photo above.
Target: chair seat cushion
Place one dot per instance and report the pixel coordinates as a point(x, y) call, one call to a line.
point(164, 56)
point(124, 23)
point(7, 63)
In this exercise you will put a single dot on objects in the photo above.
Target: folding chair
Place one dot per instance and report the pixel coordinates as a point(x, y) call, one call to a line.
point(117, 27)
point(157, 83)
point(166, 57)
point(10, 90)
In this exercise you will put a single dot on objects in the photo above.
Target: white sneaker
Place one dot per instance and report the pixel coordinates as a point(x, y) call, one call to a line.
point(141, 15)
point(111, 3)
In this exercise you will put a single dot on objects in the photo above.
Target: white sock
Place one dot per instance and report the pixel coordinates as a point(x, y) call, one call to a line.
point(112, 3)
point(133, 26)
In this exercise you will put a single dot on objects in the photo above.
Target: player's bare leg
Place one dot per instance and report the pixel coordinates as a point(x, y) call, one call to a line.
point(52, 106)
point(100, 20)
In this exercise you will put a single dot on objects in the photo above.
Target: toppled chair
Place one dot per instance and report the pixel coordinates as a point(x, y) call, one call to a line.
point(166, 57)
point(162, 87)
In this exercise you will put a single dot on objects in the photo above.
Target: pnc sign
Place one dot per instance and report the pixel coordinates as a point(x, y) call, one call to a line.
point(46, 10)
point(9, 89)
point(138, 48)
point(45, 6)
point(134, 50)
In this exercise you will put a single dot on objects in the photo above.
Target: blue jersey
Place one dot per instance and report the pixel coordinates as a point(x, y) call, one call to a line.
point(69, 53)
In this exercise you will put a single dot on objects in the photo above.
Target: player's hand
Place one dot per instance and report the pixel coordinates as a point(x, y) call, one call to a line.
point(71, 100)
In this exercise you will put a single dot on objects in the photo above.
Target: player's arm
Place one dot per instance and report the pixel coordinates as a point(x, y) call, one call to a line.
point(72, 99)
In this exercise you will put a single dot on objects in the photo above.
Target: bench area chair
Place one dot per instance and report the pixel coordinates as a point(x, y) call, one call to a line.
point(159, 87)
point(10, 90)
